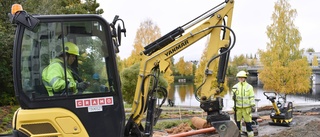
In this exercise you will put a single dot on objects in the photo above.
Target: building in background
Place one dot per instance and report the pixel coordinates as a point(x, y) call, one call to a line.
point(310, 56)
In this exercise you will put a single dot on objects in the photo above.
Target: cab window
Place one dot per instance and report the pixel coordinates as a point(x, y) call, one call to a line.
point(45, 45)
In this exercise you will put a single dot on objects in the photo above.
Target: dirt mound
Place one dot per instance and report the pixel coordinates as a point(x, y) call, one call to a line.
point(183, 127)
point(311, 129)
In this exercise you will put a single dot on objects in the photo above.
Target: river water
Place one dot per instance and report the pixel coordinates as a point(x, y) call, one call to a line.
point(183, 95)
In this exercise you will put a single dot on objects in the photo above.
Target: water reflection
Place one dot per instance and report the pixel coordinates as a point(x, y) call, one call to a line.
point(183, 95)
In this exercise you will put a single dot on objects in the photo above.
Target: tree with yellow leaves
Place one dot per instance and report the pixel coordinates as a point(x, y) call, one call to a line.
point(181, 64)
point(315, 61)
point(284, 69)
point(188, 69)
point(184, 68)
point(200, 73)
point(146, 34)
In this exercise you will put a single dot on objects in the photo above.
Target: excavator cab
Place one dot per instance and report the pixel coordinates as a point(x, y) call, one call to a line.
point(93, 112)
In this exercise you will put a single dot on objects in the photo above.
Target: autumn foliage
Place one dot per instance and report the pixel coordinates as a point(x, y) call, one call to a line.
point(284, 68)
point(146, 34)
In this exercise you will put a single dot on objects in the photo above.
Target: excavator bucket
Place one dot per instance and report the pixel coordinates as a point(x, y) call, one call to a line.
point(226, 128)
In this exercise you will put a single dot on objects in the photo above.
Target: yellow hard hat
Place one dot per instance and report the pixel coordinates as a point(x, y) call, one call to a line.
point(71, 48)
point(242, 74)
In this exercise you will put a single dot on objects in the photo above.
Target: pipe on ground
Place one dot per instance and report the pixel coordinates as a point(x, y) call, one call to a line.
point(194, 132)
point(202, 126)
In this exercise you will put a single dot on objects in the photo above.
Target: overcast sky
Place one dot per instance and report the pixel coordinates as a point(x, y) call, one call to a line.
point(250, 19)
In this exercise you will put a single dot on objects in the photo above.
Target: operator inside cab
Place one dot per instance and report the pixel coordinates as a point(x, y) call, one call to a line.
point(53, 75)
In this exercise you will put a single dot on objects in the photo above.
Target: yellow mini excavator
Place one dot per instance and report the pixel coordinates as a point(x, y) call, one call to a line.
point(98, 111)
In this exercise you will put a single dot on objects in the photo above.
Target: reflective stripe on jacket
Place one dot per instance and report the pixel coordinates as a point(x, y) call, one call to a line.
point(54, 79)
point(244, 95)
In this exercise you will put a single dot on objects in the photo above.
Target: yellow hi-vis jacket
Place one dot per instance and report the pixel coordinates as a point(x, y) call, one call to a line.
point(244, 95)
point(54, 79)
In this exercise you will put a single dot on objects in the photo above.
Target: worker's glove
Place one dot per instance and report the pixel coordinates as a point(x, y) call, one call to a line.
point(83, 85)
point(253, 108)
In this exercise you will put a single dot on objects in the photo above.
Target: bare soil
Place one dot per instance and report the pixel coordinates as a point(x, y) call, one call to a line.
point(303, 125)
point(306, 123)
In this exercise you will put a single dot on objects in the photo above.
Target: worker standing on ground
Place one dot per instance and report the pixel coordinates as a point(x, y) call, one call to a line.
point(53, 75)
point(244, 100)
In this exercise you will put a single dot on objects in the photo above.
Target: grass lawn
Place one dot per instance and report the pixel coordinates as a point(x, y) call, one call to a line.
point(6, 115)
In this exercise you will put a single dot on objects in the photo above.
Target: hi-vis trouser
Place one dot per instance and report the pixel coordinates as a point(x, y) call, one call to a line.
point(244, 113)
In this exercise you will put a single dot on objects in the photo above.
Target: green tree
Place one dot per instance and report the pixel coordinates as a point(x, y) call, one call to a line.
point(46, 7)
point(7, 33)
point(6, 45)
point(194, 66)
point(120, 63)
point(285, 70)
point(310, 50)
point(146, 33)
point(232, 70)
point(129, 78)
point(239, 60)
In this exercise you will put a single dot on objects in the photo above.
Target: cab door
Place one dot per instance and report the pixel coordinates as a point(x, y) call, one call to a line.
point(96, 111)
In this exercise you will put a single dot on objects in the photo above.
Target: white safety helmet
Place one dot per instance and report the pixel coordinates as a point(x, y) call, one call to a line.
point(242, 74)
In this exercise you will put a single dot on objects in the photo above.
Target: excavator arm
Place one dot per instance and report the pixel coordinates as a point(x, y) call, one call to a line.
point(215, 23)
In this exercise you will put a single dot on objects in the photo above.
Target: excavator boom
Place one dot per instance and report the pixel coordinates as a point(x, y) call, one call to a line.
point(215, 23)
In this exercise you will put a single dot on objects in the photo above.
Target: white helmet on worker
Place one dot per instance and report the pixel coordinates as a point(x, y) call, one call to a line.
point(242, 74)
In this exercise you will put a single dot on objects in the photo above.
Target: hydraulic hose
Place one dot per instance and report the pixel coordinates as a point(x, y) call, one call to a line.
point(215, 57)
